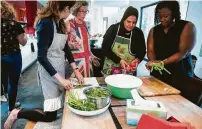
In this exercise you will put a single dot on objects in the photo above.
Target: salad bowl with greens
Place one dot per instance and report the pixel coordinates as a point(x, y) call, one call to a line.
point(96, 102)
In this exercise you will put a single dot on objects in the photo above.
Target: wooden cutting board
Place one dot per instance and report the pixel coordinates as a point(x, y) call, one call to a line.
point(71, 120)
point(154, 87)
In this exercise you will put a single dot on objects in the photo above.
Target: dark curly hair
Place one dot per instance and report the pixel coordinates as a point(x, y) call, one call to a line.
point(174, 8)
point(7, 10)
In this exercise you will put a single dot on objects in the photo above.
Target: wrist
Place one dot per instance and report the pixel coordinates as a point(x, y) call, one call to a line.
point(59, 78)
point(137, 60)
point(164, 62)
point(76, 69)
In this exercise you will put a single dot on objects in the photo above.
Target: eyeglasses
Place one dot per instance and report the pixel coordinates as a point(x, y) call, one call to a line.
point(87, 11)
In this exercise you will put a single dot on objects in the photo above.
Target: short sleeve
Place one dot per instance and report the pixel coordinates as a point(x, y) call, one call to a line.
point(18, 28)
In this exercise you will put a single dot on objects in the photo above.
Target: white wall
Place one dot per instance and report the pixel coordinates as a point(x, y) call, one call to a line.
point(96, 19)
point(28, 57)
point(194, 15)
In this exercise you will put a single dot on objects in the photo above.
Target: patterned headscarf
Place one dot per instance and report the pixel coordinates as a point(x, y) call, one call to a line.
point(77, 6)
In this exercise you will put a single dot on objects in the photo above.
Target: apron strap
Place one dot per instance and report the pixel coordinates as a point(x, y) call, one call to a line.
point(54, 26)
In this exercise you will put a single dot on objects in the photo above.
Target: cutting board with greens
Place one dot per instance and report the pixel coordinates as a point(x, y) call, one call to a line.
point(153, 87)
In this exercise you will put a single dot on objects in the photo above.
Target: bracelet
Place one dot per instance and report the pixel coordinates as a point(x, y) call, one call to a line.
point(162, 63)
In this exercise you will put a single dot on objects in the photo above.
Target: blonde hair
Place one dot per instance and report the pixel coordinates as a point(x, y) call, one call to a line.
point(52, 9)
point(77, 6)
point(7, 10)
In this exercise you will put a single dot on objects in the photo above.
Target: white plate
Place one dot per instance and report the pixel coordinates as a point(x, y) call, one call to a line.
point(89, 113)
point(123, 81)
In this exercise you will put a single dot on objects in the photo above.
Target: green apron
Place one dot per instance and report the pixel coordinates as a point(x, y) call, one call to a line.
point(121, 47)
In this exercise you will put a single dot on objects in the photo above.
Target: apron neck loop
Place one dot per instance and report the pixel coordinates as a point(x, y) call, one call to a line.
point(54, 25)
point(131, 33)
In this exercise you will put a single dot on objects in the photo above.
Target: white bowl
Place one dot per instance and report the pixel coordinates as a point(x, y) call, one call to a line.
point(121, 85)
point(89, 113)
point(123, 81)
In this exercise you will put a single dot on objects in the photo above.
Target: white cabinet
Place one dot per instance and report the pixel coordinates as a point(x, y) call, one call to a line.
point(28, 57)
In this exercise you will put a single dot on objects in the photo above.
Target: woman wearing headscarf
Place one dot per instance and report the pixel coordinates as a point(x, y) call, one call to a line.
point(124, 43)
point(78, 39)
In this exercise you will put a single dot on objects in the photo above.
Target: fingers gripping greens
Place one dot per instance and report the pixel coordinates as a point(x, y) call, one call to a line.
point(159, 67)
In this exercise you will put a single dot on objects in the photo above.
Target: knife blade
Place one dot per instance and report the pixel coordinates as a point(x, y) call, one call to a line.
point(81, 86)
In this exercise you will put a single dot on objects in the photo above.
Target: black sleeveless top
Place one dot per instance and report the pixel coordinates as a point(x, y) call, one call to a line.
point(167, 44)
point(10, 29)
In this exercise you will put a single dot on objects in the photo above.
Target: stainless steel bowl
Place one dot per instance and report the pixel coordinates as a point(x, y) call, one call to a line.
point(100, 102)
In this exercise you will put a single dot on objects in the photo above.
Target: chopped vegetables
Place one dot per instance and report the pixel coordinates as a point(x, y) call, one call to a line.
point(159, 67)
point(97, 92)
point(83, 105)
point(116, 70)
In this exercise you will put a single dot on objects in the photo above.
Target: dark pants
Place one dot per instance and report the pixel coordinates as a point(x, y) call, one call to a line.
point(37, 115)
point(11, 66)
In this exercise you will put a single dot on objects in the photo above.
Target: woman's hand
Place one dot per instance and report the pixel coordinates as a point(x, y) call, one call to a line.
point(135, 63)
point(95, 60)
point(123, 64)
point(67, 84)
point(149, 64)
point(79, 76)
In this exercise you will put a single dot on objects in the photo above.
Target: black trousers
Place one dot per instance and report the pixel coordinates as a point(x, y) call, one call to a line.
point(11, 66)
point(37, 115)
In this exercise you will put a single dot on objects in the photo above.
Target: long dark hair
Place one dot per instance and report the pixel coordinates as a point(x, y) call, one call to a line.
point(52, 9)
point(173, 6)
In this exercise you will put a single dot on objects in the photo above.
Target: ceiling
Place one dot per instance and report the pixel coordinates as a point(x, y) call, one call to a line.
point(111, 3)
point(107, 3)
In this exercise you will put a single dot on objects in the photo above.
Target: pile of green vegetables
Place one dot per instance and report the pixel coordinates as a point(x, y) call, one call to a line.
point(97, 92)
point(159, 67)
point(83, 105)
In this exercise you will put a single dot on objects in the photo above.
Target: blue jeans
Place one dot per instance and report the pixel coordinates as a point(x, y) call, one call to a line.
point(11, 66)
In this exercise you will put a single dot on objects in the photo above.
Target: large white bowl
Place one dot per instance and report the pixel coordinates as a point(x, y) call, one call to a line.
point(121, 85)
point(89, 113)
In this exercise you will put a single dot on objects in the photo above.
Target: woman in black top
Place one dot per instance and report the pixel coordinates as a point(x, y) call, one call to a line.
point(170, 42)
point(12, 35)
point(123, 43)
point(52, 50)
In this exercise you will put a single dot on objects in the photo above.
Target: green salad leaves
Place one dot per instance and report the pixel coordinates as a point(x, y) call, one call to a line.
point(83, 105)
point(97, 92)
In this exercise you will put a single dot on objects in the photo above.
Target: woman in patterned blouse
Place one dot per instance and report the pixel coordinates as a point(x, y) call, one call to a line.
point(12, 35)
